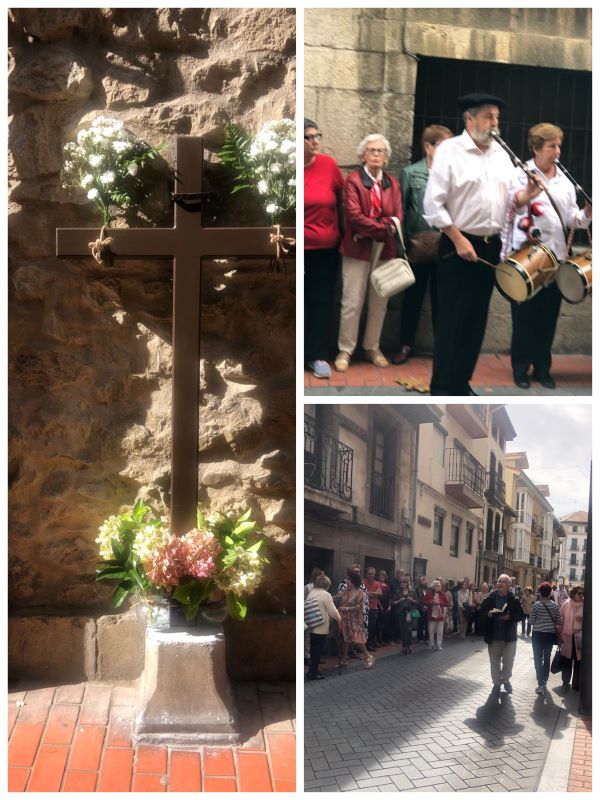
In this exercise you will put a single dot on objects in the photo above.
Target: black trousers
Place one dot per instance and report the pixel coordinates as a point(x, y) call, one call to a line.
point(317, 643)
point(373, 617)
point(464, 289)
point(571, 666)
point(534, 325)
point(320, 273)
point(413, 301)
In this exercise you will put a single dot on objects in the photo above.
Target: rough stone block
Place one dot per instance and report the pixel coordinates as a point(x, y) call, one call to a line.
point(343, 132)
point(344, 69)
point(185, 696)
point(120, 647)
point(55, 648)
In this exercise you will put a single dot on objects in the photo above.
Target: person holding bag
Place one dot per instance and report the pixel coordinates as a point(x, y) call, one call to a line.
point(421, 241)
point(319, 596)
point(465, 599)
point(544, 618)
point(404, 606)
point(372, 198)
point(571, 634)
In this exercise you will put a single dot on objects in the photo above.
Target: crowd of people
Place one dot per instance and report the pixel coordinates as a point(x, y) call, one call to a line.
point(462, 207)
point(378, 611)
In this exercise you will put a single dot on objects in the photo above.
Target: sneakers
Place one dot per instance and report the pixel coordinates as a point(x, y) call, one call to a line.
point(377, 357)
point(508, 687)
point(439, 647)
point(320, 369)
point(496, 691)
point(539, 690)
point(342, 362)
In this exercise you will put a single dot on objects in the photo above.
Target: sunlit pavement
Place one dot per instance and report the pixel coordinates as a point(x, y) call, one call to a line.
point(427, 722)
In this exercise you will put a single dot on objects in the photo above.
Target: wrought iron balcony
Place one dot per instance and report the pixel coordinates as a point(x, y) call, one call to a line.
point(496, 488)
point(465, 478)
point(328, 462)
point(382, 496)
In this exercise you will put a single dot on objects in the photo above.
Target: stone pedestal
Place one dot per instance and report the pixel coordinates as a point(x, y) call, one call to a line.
point(185, 697)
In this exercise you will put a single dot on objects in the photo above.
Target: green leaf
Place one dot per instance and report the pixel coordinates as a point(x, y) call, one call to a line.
point(191, 611)
point(245, 516)
point(200, 519)
point(236, 606)
point(256, 547)
point(111, 574)
point(121, 592)
point(244, 527)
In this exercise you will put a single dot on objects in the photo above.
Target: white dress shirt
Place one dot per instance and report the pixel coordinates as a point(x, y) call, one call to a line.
point(552, 235)
point(468, 187)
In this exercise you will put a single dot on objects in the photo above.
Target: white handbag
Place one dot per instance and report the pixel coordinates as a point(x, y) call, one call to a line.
point(393, 276)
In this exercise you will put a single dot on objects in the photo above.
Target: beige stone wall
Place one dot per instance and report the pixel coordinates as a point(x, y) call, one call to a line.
point(360, 77)
point(90, 350)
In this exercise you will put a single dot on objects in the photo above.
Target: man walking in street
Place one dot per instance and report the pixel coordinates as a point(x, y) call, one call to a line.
point(374, 591)
point(500, 612)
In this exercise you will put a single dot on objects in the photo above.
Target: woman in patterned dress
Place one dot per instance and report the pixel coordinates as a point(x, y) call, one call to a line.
point(353, 626)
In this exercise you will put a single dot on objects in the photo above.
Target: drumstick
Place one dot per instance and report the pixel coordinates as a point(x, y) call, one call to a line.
point(483, 261)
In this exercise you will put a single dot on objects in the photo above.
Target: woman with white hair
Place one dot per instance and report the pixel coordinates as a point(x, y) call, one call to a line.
point(437, 605)
point(371, 198)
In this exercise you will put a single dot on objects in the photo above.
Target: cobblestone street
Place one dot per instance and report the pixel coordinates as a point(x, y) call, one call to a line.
point(426, 722)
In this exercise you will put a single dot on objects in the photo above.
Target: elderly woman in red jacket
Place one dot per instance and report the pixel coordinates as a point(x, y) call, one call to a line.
point(371, 198)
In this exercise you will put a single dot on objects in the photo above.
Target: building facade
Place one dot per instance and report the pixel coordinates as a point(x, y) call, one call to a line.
point(359, 485)
point(574, 547)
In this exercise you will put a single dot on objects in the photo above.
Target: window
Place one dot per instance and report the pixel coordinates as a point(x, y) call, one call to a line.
point(573, 574)
point(574, 529)
point(469, 539)
point(382, 472)
point(573, 558)
point(438, 527)
point(454, 537)
point(574, 544)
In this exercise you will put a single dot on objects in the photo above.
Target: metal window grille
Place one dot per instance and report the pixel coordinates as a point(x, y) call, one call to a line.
point(328, 463)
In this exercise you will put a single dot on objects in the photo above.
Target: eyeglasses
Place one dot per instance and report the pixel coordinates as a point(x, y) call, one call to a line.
point(314, 137)
point(375, 151)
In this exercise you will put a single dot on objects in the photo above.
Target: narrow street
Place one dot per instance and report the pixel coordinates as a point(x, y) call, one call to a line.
point(426, 722)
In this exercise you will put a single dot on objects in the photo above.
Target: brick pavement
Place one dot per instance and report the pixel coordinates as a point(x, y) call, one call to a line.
point(580, 775)
point(493, 376)
point(434, 726)
point(77, 738)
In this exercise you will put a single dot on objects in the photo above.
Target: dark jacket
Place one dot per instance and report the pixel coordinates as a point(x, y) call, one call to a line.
point(513, 607)
point(361, 229)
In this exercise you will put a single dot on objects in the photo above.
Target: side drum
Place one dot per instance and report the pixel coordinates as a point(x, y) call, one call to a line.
point(520, 276)
point(574, 278)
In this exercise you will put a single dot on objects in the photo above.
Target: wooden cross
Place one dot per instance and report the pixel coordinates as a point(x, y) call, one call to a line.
point(187, 242)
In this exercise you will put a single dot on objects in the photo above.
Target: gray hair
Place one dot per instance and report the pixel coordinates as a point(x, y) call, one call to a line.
point(374, 137)
point(471, 111)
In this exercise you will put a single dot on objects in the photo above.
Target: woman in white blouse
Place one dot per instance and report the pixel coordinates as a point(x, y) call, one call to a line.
point(534, 321)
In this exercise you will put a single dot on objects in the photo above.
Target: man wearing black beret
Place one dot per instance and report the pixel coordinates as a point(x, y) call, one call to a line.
point(467, 198)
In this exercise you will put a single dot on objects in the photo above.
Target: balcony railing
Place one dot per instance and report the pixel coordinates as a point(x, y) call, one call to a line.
point(492, 540)
point(463, 468)
point(496, 486)
point(382, 496)
point(327, 462)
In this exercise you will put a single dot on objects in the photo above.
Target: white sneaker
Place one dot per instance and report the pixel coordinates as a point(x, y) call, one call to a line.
point(439, 646)
point(342, 362)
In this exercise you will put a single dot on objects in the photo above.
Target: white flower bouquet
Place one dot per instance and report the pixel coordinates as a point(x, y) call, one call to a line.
point(265, 165)
point(107, 164)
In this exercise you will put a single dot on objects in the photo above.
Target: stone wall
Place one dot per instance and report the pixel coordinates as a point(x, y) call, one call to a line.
point(360, 76)
point(90, 350)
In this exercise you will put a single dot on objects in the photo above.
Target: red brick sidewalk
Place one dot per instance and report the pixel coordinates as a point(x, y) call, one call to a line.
point(78, 739)
point(580, 776)
point(492, 370)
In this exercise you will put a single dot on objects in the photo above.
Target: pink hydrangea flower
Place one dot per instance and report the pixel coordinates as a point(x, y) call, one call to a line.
point(193, 554)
